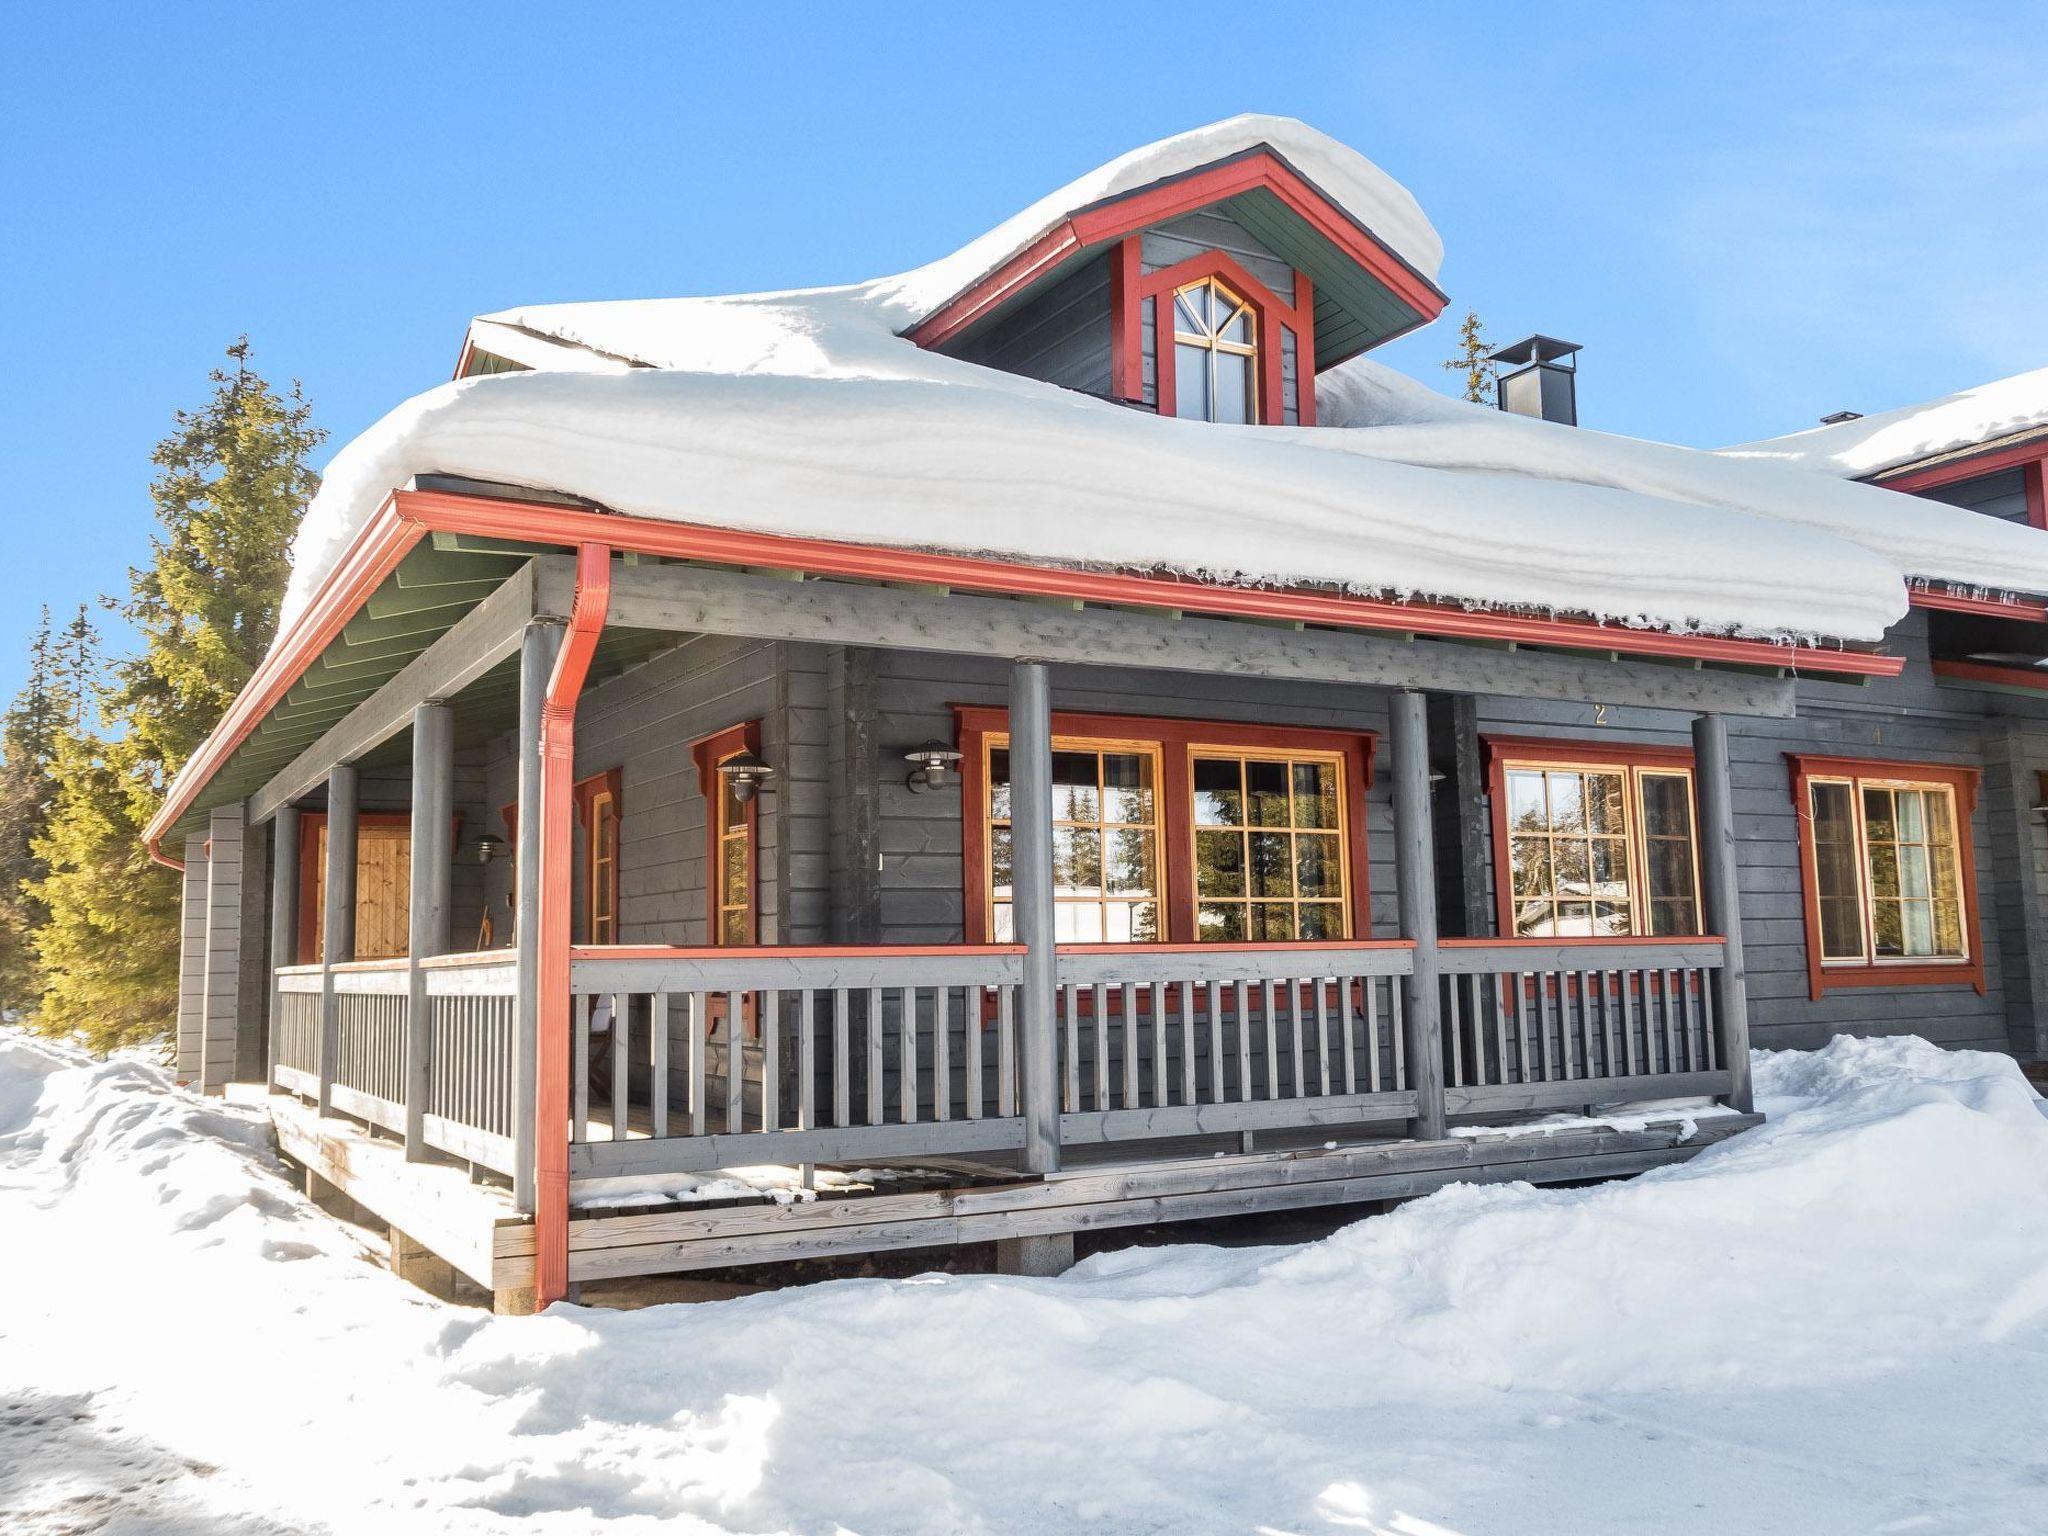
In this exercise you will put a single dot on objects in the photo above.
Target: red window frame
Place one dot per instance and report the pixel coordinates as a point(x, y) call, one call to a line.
point(1501, 750)
point(1824, 976)
point(600, 790)
point(709, 753)
point(1131, 285)
point(1176, 738)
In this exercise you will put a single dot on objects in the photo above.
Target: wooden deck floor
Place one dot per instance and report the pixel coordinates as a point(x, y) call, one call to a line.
point(475, 1227)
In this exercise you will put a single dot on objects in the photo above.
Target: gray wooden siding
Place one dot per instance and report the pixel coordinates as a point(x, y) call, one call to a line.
point(191, 962)
point(1213, 229)
point(223, 974)
point(643, 723)
point(922, 892)
point(1909, 719)
point(2001, 495)
point(1290, 401)
point(1060, 336)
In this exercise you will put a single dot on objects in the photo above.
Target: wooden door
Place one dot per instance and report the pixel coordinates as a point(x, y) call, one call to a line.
point(383, 892)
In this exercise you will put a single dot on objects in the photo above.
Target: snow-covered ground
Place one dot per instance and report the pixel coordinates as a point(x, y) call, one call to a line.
point(1836, 1323)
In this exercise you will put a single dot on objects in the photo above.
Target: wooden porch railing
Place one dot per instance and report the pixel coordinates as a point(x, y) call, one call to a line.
point(687, 1060)
point(1539, 1024)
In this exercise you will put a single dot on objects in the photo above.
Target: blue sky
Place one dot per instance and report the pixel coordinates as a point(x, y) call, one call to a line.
point(1748, 214)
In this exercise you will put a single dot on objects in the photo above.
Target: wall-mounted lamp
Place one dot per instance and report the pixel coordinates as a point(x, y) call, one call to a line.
point(489, 848)
point(744, 773)
point(934, 761)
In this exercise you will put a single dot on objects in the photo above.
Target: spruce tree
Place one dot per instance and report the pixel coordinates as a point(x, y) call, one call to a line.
point(28, 745)
point(231, 482)
point(1482, 378)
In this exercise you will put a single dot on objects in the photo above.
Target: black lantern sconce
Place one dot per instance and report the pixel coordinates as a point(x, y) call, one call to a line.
point(934, 761)
point(745, 773)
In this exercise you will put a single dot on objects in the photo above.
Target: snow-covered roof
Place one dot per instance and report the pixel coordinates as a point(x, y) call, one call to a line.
point(1871, 445)
point(807, 413)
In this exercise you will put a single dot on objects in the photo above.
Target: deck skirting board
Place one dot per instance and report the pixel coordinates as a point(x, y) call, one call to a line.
point(682, 1239)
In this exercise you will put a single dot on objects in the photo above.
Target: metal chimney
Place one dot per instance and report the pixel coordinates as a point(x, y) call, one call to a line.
point(1545, 380)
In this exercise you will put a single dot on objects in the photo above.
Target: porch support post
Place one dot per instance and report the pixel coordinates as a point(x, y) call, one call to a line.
point(284, 920)
point(1415, 878)
point(1721, 899)
point(338, 920)
point(538, 648)
point(433, 874)
point(1031, 878)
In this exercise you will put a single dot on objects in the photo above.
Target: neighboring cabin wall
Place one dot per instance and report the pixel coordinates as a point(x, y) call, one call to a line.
point(2002, 495)
point(1910, 719)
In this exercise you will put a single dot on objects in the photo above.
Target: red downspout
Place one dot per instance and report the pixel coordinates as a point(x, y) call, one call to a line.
point(557, 781)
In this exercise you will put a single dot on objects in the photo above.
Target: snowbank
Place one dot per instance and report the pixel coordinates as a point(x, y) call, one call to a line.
point(807, 413)
point(1835, 1323)
point(1873, 444)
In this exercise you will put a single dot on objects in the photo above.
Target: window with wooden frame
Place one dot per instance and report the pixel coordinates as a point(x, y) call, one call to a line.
point(1593, 841)
point(1888, 873)
point(1216, 354)
point(598, 805)
point(1176, 831)
point(1205, 339)
point(731, 895)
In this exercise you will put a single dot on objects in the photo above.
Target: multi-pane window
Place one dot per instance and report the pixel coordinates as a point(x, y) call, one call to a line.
point(1215, 354)
point(1598, 850)
point(1269, 847)
point(733, 867)
point(1887, 870)
point(1105, 843)
point(602, 886)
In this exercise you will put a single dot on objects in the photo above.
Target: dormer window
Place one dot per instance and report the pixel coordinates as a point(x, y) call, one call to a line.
point(1215, 354)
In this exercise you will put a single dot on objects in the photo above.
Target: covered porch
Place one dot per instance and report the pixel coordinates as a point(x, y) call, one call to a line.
point(1015, 1091)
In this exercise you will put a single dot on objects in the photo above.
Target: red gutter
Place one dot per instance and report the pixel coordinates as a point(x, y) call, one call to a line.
point(695, 541)
point(557, 783)
point(2031, 609)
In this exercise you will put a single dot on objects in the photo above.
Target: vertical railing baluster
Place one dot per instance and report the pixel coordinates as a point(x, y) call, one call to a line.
point(736, 1002)
point(1272, 1034)
point(1586, 1025)
point(1299, 1060)
point(906, 1054)
point(1071, 1097)
point(1397, 1026)
point(974, 1002)
point(1188, 1089)
point(657, 1053)
point(1244, 1043)
point(1131, 1036)
point(700, 1028)
point(1670, 1025)
point(942, 1053)
point(842, 1058)
point(1344, 1030)
point(1217, 1095)
point(1159, 1044)
point(1100, 998)
point(771, 1059)
point(1322, 991)
point(1454, 1069)
point(622, 1064)
point(807, 1059)
point(1710, 1050)
point(874, 1044)
point(1006, 1050)
point(581, 1116)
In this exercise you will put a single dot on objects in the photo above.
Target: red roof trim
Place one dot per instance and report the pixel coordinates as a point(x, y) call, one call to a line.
point(1954, 471)
point(408, 515)
point(1116, 217)
point(2027, 608)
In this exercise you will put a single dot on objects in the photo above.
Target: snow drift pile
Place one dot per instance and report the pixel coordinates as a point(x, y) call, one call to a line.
point(808, 413)
point(1849, 1307)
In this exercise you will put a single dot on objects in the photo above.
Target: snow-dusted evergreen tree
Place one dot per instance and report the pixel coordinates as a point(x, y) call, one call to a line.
point(231, 482)
point(1481, 377)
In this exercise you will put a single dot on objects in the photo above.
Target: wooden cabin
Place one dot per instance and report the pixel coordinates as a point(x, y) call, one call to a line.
point(562, 857)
